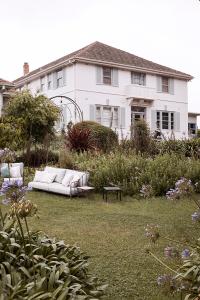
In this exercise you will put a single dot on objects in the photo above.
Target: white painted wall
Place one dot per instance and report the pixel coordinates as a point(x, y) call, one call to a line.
point(81, 86)
point(1, 102)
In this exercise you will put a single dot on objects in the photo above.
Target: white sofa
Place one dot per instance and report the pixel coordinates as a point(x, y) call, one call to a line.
point(70, 189)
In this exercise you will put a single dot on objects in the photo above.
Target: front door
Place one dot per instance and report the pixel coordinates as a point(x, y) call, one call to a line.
point(137, 113)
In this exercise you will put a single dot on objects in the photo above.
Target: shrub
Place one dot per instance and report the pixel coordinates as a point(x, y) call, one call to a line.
point(79, 139)
point(34, 266)
point(104, 138)
point(66, 159)
point(39, 157)
point(141, 136)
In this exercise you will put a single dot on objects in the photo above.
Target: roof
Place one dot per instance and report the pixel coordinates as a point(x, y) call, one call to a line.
point(5, 82)
point(193, 114)
point(99, 53)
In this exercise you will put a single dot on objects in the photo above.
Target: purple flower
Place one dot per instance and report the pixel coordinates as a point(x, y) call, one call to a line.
point(163, 279)
point(185, 254)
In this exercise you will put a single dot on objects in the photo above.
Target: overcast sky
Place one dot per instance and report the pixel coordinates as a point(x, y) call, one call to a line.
point(40, 31)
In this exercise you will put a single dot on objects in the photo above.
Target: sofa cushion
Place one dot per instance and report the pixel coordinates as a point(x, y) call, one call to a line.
point(5, 171)
point(43, 176)
point(60, 173)
point(83, 180)
point(61, 189)
point(12, 180)
point(39, 185)
point(15, 172)
point(67, 179)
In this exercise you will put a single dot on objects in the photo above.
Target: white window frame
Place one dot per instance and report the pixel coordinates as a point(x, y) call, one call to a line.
point(49, 81)
point(165, 85)
point(170, 120)
point(113, 110)
point(107, 77)
point(42, 83)
point(59, 78)
point(138, 78)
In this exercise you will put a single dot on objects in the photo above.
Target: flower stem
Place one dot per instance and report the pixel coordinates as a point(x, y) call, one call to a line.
point(21, 230)
point(178, 242)
point(162, 263)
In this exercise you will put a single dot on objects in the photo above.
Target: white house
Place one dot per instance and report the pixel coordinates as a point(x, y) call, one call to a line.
point(5, 88)
point(114, 88)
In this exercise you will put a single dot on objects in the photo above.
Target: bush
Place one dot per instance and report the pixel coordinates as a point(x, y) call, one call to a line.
point(34, 266)
point(79, 139)
point(66, 159)
point(141, 137)
point(131, 171)
point(39, 157)
point(104, 138)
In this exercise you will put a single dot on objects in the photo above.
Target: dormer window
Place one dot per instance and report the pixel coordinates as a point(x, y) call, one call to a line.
point(138, 78)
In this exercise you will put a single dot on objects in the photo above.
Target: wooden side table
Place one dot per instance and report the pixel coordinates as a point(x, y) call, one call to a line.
point(84, 190)
point(116, 189)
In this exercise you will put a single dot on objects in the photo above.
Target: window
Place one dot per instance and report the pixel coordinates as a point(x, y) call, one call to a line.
point(107, 75)
point(138, 78)
point(165, 120)
point(59, 78)
point(165, 84)
point(42, 83)
point(49, 81)
point(107, 115)
point(192, 128)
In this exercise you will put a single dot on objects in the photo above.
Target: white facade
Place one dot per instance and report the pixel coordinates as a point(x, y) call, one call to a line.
point(80, 83)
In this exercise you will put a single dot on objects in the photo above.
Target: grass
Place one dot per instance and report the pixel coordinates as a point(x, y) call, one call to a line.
point(113, 235)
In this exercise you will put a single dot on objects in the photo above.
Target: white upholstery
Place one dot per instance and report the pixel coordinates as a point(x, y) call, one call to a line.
point(60, 173)
point(13, 179)
point(39, 185)
point(59, 188)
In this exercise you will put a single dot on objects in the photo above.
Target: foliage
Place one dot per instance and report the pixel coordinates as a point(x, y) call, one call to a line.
point(104, 138)
point(66, 159)
point(10, 134)
point(36, 116)
point(79, 139)
point(35, 267)
point(141, 136)
point(39, 157)
point(185, 279)
point(132, 171)
point(7, 156)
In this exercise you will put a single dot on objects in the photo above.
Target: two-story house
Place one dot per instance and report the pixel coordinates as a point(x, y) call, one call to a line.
point(114, 88)
point(5, 88)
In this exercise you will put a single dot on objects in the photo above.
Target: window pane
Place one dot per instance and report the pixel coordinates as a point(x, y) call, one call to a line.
point(165, 84)
point(165, 120)
point(158, 120)
point(138, 78)
point(172, 121)
point(107, 75)
point(106, 116)
point(98, 114)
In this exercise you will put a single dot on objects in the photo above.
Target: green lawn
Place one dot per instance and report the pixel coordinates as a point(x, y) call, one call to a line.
point(113, 235)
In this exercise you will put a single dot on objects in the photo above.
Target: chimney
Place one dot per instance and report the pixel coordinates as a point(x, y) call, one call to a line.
point(26, 68)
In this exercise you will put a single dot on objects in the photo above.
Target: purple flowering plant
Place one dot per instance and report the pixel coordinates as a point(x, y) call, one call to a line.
point(7, 156)
point(183, 187)
point(14, 194)
point(184, 279)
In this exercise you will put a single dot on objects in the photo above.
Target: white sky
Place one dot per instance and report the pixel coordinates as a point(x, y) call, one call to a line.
point(40, 31)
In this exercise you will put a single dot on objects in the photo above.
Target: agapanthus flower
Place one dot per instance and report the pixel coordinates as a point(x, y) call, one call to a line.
point(185, 254)
point(163, 279)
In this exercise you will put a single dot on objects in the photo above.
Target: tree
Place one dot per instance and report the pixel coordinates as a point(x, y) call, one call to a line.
point(36, 116)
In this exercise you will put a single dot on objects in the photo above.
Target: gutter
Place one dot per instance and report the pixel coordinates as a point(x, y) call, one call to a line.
point(27, 78)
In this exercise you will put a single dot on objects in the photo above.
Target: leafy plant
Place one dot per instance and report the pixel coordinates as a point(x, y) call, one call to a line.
point(105, 138)
point(79, 139)
point(37, 267)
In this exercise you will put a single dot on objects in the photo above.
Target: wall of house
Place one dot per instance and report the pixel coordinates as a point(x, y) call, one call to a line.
point(1, 102)
point(81, 85)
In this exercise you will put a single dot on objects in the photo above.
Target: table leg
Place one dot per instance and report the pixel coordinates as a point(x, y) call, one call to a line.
point(120, 195)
